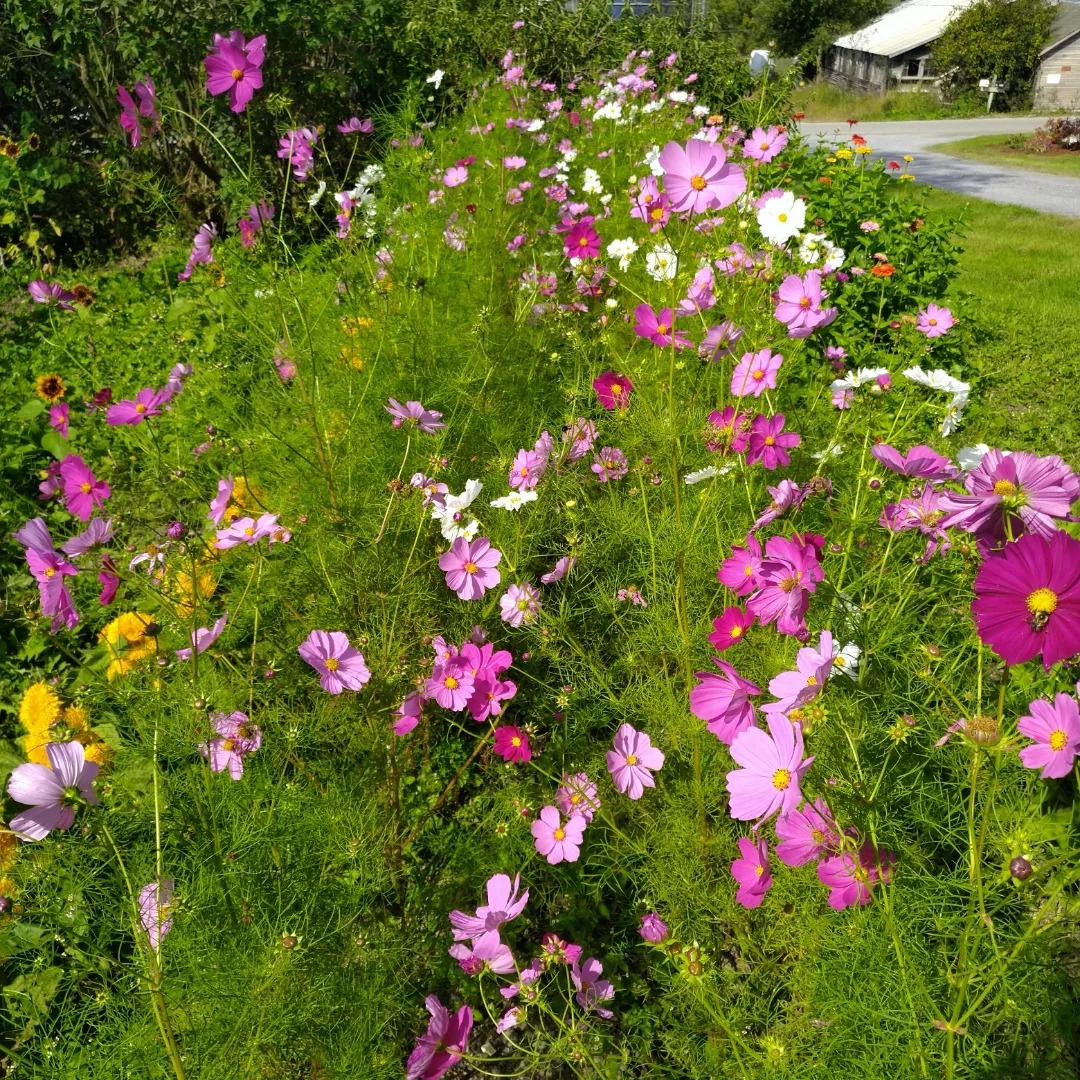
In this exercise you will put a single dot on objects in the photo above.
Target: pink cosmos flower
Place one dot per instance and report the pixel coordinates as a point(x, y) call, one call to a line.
point(520, 605)
point(52, 793)
point(729, 628)
point(658, 327)
point(591, 989)
point(1055, 730)
point(557, 840)
point(795, 688)
point(1027, 599)
point(653, 929)
point(769, 443)
point(699, 295)
point(235, 736)
point(201, 250)
point(935, 321)
point(413, 413)
point(470, 567)
point(787, 576)
point(719, 341)
point(83, 492)
point(581, 240)
point(259, 215)
point(109, 581)
point(505, 902)
point(785, 495)
point(442, 1045)
point(613, 390)
point(609, 464)
point(354, 125)
point(563, 567)
point(131, 115)
point(723, 701)
point(202, 639)
point(488, 695)
point(220, 501)
point(755, 373)
point(739, 571)
point(850, 880)
point(751, 871)
point(512, 744)
point(51, 292)
point(799, 304)
point(920, 461)
point(806, 833)
point(147, 403)
point(455, 176)
point(772, 767)
point(762, 146)
point(489, 955)
point(233, 67)
point(246, 530)
point(409, 712)
point(527, 470)
point(340, 666)
point(451, 684)
point(698, 177)
point(513, 161)
point(58, 418)
point(1013, 493)
point(633, 762)
point(577, 795)
point(155, 910)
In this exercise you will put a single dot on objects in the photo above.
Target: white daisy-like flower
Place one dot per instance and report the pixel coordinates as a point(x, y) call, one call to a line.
point(781, 218)
point(968, 457)
point(662, 264)
point(652, 106)
point(592, 184)
point(515, 500)
point(707, 473)
point(610, 110)
point(623, 250)
point(678, 96)
point(652, 159)
point(436, 78)
point(451, 517)
point(936, 380)
point(318, 193)
point(846, 661)
point(954, 413)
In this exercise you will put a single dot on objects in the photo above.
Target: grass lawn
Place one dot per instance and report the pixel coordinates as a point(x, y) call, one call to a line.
point(825, 102)
point(997, 150)
point(1020, 275)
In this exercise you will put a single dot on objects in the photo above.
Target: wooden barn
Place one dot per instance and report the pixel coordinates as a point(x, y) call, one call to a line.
point(1057, 82)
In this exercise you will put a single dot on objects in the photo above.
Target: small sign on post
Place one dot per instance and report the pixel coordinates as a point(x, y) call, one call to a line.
point(990, 87)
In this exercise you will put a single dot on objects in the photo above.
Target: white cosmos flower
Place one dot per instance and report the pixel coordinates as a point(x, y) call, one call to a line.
point(652, 106)
point(954, 413)
point(436, 78)
point(515, 500)
point(612, 110)
point(847, 660)
point(319, 192)
point(781, 218)
point(936, 380)
point(652, 159)
point(592, 184)
point(451, 517)
point(707, 473)
point(623, 250)
point(678, 96)
point(662, 263)
point(970, 456)
point(816, 249)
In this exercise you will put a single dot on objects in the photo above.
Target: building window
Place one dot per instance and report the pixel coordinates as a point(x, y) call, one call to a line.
point(913, 69)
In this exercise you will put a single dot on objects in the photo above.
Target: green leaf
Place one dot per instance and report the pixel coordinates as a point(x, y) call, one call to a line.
point(53, 443)
point(31, 409)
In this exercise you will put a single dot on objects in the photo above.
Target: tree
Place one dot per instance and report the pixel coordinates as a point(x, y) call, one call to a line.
point(808, 26)
point(994, 39)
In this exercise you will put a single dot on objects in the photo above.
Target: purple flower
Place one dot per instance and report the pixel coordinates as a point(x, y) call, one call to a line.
point(147, 403)
point(246, 530)
point(806, 834)
point(340, 666)
point(557, 840)
point(796, 688)
point(155, 910)
point(297, 146)
point(409, 713)
point(202, 639)
point(723, 701)
point(762, 146)
point(1055, 730)
point(935, 321)
point(769, 443)
point(653, 929)
point(451, 684)
point(527, 470)
point(563, 566)
point(49, 292)
point(354, 125)
point(577, 795)
point(412, 412)
point(233, 67)
point(698, 177)
point(52, 792)
point(920, 461)
point(58, 418)
point(488, 954)
point(786, 577)
point(512, 744)
point(591, 989)
point(220, 501)
point(609, 464)
point(505, 902)
point(849, 880)
point(520, 605)
point(719, 341)
point(235, 737)
point(443, 1044)
point(633, 761)
point(581, 435)
point(201, 250)
point(772, 766)
point(259, 214)
point(470, 567)
point(755, 373)
point(751, 871)
point(131, 116)
point(35, 534)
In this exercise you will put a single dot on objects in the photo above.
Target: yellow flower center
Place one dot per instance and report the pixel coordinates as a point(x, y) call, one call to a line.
point(932, 322)
point(237, 73)
point(523, 604)
point(575, 799)
point(804, 302)
point(583, 241)
point(789, 583)
point(817, 836)
point(736, 631)
point(1004, 487)
point(85, 487)
point(616, 389)
point(250, 530)
point(515, 741)
point(450, 682)
point(757, 375)
point(770, 441)
point(471, 568)
point(656, 213)
point(631, 759)
point(781, 217)
point(227, 744)
point(140, 408)
point(781, 779)
point(697, 183)
point(559, 834)
point(49, 571)
point(331, 664)
point(747, 570)
point(1058, 739)
point(662, 328)
point(812, 681)
point(1042, 602)
point(759, 870)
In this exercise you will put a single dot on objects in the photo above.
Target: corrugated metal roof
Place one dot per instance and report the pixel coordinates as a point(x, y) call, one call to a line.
point(1066, 24)
point(906, 26)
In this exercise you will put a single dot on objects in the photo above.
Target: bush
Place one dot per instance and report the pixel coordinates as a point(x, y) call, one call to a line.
point(261, 878)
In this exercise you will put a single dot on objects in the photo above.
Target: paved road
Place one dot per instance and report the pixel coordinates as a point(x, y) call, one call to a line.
point(1021, 187)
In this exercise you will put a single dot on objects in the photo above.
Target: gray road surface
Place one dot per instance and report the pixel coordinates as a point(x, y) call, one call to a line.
point(1020, 187)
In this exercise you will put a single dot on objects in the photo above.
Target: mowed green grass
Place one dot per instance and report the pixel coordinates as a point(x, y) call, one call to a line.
point(824, 102)
point(995, 150)
point(1020, 278)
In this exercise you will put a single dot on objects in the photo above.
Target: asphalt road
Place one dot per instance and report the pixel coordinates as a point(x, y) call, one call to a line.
point(1021, 187)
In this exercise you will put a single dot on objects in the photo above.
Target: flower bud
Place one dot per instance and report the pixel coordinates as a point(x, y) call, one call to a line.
point(654, 929)
point(983, 730)
point(1020, 868)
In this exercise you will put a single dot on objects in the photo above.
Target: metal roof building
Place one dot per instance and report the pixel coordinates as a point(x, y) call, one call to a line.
point(1057, 82)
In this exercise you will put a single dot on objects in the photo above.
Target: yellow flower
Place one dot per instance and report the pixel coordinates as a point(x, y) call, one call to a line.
point(906, 176)
point(9, 850)
point(353, 326)
point(39, 708)
point(843, 153)
point(49, 387)
point(76, 718)
point(908, 157)
point(187, 590)
point(864, 149)
point(128, 641)
point(101, 754)
point(7, 885)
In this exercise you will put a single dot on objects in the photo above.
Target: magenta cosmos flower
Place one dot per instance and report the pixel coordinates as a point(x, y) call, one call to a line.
point(1056, 731)
point(413, 413)
point(591, 989)
point(512, 744)
point(581, 240)
point(59, 417)
point(658, 327)
point(505, 902)
point(131, 116)
point(1027, 599)
point(739, 571)
point(1010, 493)
point(935, 321)
point(786, 577)
point(772, 766)
point(609, 464)
point(557, 840)
point(653, 929)
point(51, 793)
point(340, 666)
point(755, 373)
point(849, 879)
point(50, 292)
point(442, 1045)
point(235, 736)
point(233, 67)
point(83, 492)
point(762, 146)
point(633, 762)
point(698, 177)
point(520, 605)
point(147, 403)
point(155, 910)
point(752, 873)
point(729, 628)
point(920, 461)
point(769, 442)
point(470, 567)
point(723, 701)
point(805, 834)
point(613, 390)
